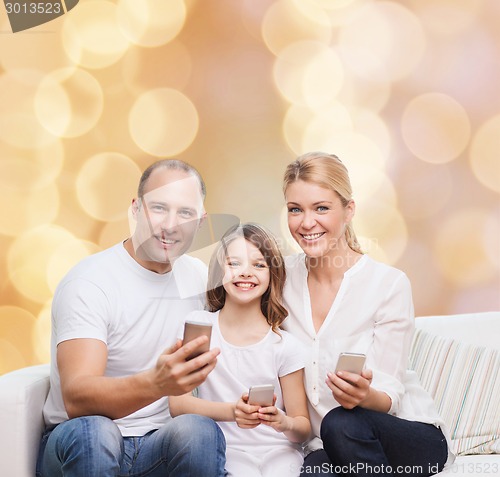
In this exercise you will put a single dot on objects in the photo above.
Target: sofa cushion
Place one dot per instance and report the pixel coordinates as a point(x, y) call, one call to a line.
point(464, 381)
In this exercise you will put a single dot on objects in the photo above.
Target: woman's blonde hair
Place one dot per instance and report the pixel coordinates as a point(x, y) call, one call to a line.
point(328, 171)
point(271, 301)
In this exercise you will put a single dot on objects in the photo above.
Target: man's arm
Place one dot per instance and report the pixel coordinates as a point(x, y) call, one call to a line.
point(86, 391)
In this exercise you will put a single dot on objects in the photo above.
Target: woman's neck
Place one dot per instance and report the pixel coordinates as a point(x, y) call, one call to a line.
point(332, 266)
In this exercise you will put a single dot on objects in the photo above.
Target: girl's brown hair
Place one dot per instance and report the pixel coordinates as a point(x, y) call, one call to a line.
point(325, 170)
point(271, 301)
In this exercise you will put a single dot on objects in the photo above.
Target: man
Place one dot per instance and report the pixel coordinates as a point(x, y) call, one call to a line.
point(115, 358)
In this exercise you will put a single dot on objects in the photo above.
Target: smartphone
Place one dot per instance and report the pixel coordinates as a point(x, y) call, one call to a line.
point(261, 395)
point(192, 330)
point(351, 362)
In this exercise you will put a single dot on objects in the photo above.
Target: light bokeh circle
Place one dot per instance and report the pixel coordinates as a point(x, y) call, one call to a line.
point(91, 35)
point(459, 248)
point(95, 178)
point(163, 122)
point(382, 224)
point(19, 126)
point(308, 73)
point(69, 102)
point(382, 40)
point(29, 256)
point(485, 154)
point(435, 127)
point(285, 24)
point(42, 332)
point(31, 199)
point(16, 327)
point(151, 23)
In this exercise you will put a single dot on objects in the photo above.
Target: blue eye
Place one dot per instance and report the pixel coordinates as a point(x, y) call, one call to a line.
point(294, 210)
point(186, 213)
point(322, 208)
point(261, 265)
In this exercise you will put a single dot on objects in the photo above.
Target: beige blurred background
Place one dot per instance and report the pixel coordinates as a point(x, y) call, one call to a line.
point(407, 94)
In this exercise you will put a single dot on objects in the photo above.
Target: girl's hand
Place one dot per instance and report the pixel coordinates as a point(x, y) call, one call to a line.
point(273, 417)
point(246, 415)
point(349, 389)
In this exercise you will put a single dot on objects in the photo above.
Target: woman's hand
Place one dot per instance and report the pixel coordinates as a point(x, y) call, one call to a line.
point(246, 415)
point(349, 389)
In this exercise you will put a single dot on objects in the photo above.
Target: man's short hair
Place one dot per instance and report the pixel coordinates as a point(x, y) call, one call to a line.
point(170, 164)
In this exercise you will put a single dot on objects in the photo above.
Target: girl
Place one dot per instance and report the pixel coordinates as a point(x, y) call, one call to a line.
point(343, 301)
point(246, 278)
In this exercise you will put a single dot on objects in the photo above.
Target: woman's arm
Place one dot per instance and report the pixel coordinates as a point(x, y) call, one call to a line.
point(388, 356)
point(295, 422)
point(188, 404)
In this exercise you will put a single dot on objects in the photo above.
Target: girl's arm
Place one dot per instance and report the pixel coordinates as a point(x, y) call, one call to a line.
point(295, 423)
point(188, 404)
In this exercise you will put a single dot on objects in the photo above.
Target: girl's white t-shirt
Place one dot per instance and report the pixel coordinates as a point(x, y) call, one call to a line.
point(238, 368)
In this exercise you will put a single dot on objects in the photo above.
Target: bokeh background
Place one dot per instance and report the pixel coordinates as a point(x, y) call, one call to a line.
point(406, 93)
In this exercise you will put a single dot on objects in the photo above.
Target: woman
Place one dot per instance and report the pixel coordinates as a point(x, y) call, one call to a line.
point(381, 421)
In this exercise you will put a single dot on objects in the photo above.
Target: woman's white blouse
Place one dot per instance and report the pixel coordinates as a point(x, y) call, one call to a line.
point(371, 314)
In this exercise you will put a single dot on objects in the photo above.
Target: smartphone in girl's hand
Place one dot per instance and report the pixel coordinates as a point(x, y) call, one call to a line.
point(261, 395)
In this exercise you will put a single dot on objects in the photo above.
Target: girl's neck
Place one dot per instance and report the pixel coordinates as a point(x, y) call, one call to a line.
point(242, 324)
point(241, 313)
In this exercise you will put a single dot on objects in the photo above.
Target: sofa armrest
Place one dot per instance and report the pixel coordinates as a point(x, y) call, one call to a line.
point(22, 395)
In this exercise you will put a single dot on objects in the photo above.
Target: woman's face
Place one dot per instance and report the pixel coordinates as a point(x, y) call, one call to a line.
point(316, 218)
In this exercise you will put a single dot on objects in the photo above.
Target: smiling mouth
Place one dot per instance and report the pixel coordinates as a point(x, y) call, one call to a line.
point(312, 236)
point(166, 241)
point(245, 285)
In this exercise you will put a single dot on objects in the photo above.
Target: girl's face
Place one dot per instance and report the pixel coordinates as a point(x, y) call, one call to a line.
point(246, 273)
point(316, 218)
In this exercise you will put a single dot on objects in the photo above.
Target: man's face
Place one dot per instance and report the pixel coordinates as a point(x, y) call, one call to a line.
point(168, 216)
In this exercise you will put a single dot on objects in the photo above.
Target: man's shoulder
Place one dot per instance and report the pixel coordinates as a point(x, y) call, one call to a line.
point(96, 261)
point(97, 268)
point(191, 276)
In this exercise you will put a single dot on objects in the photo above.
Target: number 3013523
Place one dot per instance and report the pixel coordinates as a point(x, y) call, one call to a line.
point(33, 7)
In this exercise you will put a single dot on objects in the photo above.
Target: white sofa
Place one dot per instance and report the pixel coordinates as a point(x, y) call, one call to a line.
point(457, 358)
point(439, 344)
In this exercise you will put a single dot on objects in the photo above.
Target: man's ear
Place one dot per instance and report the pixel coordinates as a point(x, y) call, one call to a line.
point(135, 206)
point(202, 218)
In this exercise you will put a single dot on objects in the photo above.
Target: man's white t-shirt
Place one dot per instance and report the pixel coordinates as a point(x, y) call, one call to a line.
point(134, 311)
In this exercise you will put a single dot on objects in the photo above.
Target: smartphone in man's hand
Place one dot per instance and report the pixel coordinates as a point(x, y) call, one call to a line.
point(193, 330)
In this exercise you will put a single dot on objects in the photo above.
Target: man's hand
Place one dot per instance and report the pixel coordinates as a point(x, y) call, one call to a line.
point(87, 391)
point(173, 375)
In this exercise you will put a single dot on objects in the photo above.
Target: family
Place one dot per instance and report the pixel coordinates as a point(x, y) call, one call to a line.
point(125, 401)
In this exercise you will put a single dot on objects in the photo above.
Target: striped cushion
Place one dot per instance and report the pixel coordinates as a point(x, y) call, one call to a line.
point(464, 381)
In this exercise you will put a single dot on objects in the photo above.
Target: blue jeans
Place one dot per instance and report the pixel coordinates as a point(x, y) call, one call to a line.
point(369, 443)
point(188, 445)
